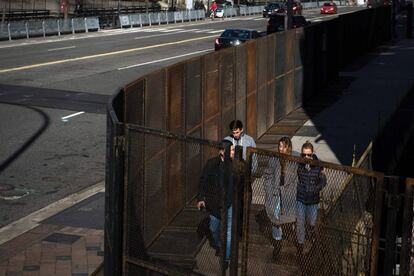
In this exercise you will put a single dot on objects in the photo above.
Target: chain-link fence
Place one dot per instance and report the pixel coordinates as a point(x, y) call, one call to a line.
point(310, 218)
point(167, 175)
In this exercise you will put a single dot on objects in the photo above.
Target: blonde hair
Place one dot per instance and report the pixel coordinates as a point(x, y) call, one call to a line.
point(287, 143)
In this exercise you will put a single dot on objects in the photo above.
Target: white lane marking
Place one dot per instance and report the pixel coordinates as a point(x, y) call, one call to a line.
point(72, 115)
point(59, 49)
point(202, 31)
point(170, 30)
point(216, 31)
point(157, 35)
point(29, 222)
point(163, 59)
point(107, 54)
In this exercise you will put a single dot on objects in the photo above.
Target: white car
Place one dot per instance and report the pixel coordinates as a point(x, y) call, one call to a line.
point(220, 12)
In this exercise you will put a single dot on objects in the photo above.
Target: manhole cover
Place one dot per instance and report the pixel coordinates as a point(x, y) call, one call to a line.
point(6, 187)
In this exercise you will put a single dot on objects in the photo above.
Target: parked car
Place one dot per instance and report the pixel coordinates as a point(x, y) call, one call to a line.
point(219, 11)
point(234, 37)
point(329, 8)
point(276, 22)
point(272, 8)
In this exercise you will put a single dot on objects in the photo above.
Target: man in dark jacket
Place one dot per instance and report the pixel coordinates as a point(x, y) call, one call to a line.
point(210, 195)
point(311, 180)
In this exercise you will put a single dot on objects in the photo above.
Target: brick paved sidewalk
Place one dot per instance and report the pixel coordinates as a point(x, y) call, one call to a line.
point(69, 243)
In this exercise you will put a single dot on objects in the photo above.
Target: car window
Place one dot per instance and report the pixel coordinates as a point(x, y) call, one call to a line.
point(274, 6)
point(328, 4)
point(236, 33)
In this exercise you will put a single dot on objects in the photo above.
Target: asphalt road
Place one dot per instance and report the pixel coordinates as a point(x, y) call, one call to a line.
point(53, 95)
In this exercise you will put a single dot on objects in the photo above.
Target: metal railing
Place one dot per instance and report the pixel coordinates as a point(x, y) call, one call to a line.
point(28, 29)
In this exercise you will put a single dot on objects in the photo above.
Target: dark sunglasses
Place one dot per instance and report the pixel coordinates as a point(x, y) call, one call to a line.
point(306, 154)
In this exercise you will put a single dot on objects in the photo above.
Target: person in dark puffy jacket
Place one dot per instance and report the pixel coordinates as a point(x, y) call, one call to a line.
point(311, 180)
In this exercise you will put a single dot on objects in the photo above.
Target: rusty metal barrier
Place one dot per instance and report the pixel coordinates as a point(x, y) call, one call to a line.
point(258, 82)
point(341, 240)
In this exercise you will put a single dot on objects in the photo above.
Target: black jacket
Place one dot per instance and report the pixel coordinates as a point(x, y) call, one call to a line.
point(210, 187)
point(311, 182)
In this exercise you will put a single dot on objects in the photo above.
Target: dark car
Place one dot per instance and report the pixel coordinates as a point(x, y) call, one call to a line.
point(234, 37)
point(276, 22)
point(273, 8)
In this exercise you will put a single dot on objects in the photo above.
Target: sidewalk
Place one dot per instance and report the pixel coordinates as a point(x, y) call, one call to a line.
point(70, 242)
point(350, 111)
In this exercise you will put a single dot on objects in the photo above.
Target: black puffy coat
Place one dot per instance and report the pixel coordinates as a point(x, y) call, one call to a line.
point(210, 187)
point(310, 183)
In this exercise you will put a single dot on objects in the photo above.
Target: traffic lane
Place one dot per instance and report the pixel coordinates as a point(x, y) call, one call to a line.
point(316, 14)
point(21, 56)
point(80, 75)
point(63, 159)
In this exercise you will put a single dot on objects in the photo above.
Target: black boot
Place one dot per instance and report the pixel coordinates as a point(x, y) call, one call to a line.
point(277, 247)
point(312, 234)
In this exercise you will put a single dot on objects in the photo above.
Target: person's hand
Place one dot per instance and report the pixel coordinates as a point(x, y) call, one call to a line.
point(201, 205)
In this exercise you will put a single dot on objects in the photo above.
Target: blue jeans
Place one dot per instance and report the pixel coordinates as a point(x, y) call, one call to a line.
point(277, 230)
point(215, 231)
point(305, 212)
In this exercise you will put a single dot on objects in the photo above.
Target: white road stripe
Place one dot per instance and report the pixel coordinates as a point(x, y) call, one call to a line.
point(29, 222)
point(202, 31)
point(164, 59)
point(216, 31)
point(59, 49)
point(171, 30)
point(72, 115)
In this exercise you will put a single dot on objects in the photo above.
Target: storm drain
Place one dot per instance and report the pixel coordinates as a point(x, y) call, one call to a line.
point(62, 238)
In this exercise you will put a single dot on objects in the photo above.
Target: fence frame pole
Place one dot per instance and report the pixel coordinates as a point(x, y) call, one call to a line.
point(407, 227)
point(379, 193)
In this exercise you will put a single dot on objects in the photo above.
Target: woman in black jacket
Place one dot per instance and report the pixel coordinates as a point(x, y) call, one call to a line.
point(311, 180)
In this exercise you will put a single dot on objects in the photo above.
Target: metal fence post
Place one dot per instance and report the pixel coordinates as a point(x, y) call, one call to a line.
point(58, 27)
point(149, 19)
point(379, 193)
point(407, 227)
point(392, 203)
point(238, 172)
point(86, 25)
point(73, 26)
point(140, 20)
point(8, 30)
point(130, 21)
point(224, 179)
point(43, 28)
point(166, 16)
point(27, 30)
point(159, 19)
point(182, 17)
point(247, 195)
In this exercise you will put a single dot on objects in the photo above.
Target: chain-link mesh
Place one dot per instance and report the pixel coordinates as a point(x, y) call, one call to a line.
point(166, 177)
point(308, 219)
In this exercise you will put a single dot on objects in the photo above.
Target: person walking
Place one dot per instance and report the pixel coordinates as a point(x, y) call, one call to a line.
point(239, 138)
point(279, 186)
point(213, 9)
point(210, 195)
point(311, 180)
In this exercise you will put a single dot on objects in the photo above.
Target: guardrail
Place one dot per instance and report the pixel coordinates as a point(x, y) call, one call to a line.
point(13, 30)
